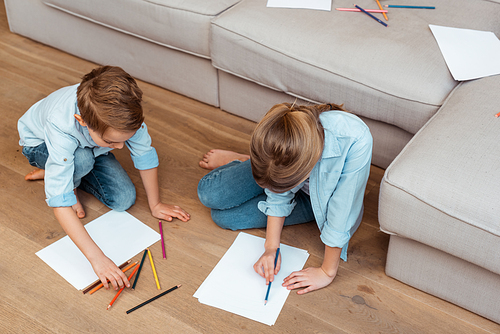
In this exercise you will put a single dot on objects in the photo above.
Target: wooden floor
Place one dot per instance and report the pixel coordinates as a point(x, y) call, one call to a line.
point(34, 299)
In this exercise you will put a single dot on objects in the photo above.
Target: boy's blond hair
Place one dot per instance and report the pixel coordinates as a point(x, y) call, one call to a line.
point(286, 144)
point(108, 97)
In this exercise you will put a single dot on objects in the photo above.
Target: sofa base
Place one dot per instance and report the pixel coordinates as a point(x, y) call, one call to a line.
point(445, 276)
point(250, 100)
point(174, 70)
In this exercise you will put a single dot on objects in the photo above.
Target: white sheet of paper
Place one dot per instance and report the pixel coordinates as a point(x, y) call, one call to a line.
point(303, 4)
point(469, 54)
point(119, 235)
point(235, 287)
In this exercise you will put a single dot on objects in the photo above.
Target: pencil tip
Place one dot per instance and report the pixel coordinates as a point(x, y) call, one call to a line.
point(108, 307)
point(179, 285)
point(265, 302)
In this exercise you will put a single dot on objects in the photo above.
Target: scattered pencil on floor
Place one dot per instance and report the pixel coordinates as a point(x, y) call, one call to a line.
point(140, 268)
point(154, 298)
point(154, 270)
point(101, 285)
point(497, 115)
point(380, 6)
point(120, 291)
point(96, 283)
point(162, 241)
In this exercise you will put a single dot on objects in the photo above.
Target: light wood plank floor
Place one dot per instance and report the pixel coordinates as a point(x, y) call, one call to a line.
point(34, 299)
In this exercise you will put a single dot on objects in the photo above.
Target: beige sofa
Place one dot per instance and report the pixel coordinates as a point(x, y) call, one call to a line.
point(243, 57)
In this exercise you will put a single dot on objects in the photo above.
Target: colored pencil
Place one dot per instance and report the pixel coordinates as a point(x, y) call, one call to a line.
point(96, 283)
point(405, 6)
point(162, 241)
point(120, 291)
point(154, 298)
point(380, 6)
point(101, 285)
point(370, 15)
point(497, 115)
point(154, 270)
point(357, 10)
point(269, 286)
point(140, 268)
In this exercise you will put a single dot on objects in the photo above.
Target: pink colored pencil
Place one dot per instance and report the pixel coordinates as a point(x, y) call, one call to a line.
point(357, 10)
point(162, 241)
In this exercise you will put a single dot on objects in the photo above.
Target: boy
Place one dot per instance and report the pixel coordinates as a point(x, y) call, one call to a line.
point(68, 136)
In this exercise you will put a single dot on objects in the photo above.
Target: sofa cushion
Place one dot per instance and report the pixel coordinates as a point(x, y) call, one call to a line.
point(179, 24)
point(395, 75)
point(443, 189)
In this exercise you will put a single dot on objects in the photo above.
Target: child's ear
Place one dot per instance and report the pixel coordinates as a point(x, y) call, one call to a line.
point(80, 120)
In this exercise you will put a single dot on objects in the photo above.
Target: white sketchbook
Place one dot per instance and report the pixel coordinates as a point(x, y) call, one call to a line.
point(234, 286)
point(303, 4)
point(469, 54)
point(119, 235)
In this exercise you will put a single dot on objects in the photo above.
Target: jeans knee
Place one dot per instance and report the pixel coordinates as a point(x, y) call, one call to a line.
point(220, 218)
point(84, 162)
point(206, 194)
point(122, 199)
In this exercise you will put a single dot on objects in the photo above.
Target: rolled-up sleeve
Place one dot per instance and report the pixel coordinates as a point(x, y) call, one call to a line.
point(279, 204)
point(143, 154)
point(59, 167)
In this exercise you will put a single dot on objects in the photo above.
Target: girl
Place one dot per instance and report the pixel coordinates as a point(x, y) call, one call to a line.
point(306, 163)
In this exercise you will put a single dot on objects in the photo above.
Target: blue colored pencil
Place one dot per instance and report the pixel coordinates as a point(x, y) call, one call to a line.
point(405, 6)
point(140, 267)
point(269, 286)
point(370, 15)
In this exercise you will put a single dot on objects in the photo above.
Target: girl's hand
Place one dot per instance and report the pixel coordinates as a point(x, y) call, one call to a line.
point(265, 265)
point(107, 270)
point(312, 278)
point(167, 212)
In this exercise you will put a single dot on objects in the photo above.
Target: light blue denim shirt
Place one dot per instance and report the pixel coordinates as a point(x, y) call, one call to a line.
point(337, 182)
point(52, 121)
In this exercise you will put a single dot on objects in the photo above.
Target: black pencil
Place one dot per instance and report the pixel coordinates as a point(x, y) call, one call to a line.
point(140, 267)
point(154, 298)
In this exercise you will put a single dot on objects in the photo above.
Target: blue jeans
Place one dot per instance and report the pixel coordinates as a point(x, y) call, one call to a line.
point(232, 194)
point(101, 176)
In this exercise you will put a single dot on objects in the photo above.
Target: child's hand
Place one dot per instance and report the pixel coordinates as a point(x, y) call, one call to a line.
point(167, 211)
point(107, 270)
point(265, 265)
point(312, 278)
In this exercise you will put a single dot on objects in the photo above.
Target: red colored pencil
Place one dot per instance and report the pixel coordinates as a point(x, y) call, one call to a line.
point(101, 285)
point(120, 291)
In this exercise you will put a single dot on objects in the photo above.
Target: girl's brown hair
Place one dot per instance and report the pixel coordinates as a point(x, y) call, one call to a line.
point(108, 97)
point(286, 144)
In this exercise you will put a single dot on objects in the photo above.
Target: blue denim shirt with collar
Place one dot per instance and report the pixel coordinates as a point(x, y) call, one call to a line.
point(51, 120)
point(337, 182)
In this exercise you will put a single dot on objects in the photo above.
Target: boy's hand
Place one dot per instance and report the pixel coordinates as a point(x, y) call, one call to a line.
point(312, 278)
point(265, 265)
point(107, 270)
point(167, 212)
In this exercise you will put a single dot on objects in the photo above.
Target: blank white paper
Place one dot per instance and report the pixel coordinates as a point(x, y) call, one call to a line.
point(304, 4)
point(234, 286)
point(469, 54)
point(119, 235)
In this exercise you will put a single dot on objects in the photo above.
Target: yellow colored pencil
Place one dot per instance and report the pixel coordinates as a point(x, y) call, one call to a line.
point(154, 270)
point(380, 6)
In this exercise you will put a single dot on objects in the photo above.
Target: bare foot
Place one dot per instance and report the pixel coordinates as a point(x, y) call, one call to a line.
point(217, 158)
point(37, 174)
point(78, 207)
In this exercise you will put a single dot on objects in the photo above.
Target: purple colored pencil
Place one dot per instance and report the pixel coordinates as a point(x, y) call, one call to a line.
point(162, 241)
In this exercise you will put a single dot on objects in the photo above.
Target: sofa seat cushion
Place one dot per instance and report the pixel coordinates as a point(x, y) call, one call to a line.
point(179, 24)
point(443, 190)
point(395, 75)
